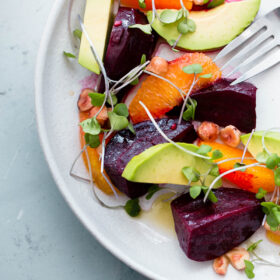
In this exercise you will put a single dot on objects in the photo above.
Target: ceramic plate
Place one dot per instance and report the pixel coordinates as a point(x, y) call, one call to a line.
point(144, 244)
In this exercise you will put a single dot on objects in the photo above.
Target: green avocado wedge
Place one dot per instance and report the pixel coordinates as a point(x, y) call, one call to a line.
point(215, 28)
point(163, 163)
point(97, 20)
point(271, 140)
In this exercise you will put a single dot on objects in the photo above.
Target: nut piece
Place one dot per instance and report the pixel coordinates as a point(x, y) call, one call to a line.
point(220, 265)
point(237, 256)
point(84, 102)
point(208, 131)
point(267, 227)
point(158, 65)
point(103, 115)
point(230, 135)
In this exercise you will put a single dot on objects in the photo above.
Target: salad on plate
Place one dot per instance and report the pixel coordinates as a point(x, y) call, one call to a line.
point(161, 125)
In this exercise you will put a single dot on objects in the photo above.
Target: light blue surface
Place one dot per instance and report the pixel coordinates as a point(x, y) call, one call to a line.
point(40, 238)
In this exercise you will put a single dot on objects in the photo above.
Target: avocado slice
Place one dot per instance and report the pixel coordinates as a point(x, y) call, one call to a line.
point(97, 21)
point(215, 28)
point(163, 163)
point(271, 140)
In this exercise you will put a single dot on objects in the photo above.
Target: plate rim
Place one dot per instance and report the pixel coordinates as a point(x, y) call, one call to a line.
point(44, 143)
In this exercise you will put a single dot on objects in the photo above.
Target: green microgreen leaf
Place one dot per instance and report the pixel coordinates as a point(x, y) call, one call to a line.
point(97, 99)
point(131, 128)
point(183, 27)
point(217, 154)
point(262, 156)
point(249, 268)
point(142, 4)
point(132, 207)
point(204, 149)
point(114, 99)
point(186, 13)
point(121, 110)
point(195, 191)
point(215, 3)
point(170, 16)
point(191, 174)
point(261, 193)
point(68, 54)
point(215, 171)
point(253, 246)
point(272, 212)
point(146, 28)
point(238, 164)
point(117, 122)
point(211, 196)
point(135, 82)
point(92, 140)
point(91, 126)
point(206, 76)
point(151, 191)
point(193, 69)
point(77, 33)
point(189, 114)
point(272, 161)
point(277, 176)
point(143, 59)
point(171, 42)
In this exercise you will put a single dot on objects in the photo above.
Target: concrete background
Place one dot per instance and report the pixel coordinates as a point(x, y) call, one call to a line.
point(40, 238)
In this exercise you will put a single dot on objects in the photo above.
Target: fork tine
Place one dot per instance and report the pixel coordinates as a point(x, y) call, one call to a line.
point(262, 66)
point(255, 43)
point(253, 57)
point(248, 33)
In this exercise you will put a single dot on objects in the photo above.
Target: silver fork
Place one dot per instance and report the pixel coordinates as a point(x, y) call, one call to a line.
point(253, 51)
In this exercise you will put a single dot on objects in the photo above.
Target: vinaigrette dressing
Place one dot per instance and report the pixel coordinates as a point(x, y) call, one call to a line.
point(161, 215)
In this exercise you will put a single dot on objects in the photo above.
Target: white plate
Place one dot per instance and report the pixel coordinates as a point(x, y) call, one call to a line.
point(142, 245)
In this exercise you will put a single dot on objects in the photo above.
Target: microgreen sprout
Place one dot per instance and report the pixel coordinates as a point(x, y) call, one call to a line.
point(69, 55)
point(142, 4)
point(237, 164)
point(191, 174)
point(249, 266)
point(229, 172)
point(193, 69)
point(254, 246)
point(97, 99)
point(155, 15)
point(77, 33)
point(215, 3)
point(189, 114)
point(132, 207)
point(146, 28)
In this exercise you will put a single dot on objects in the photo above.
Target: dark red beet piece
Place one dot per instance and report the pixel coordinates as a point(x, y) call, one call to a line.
point(225, 105)
point(127, 45)
point(125, 145)
point(207, 231)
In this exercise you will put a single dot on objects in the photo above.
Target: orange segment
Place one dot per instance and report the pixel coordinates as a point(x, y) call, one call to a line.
point(160, 4)
point(160, 97)
point(252, 179)
point(94, 162)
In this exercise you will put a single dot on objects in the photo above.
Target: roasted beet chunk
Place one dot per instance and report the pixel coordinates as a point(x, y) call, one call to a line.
point(125, 145)
point(127, 45)
point(207, 231)
point(225, 105)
